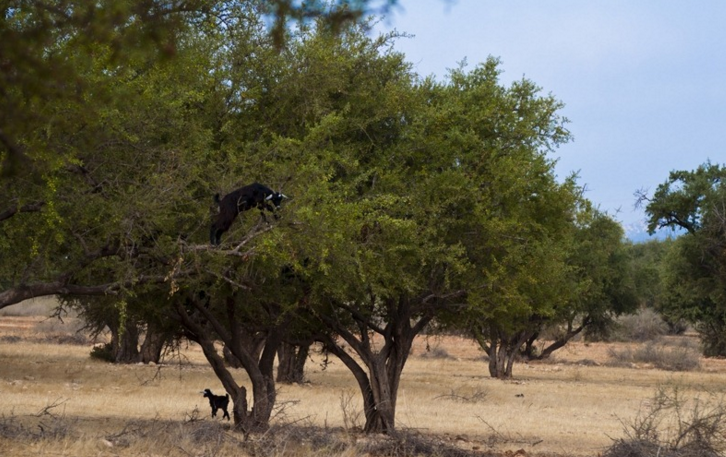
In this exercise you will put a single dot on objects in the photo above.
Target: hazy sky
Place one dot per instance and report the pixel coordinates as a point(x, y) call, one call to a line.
point(644, 82)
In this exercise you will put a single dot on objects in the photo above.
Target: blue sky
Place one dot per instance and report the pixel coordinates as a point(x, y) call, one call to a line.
point(644, 82)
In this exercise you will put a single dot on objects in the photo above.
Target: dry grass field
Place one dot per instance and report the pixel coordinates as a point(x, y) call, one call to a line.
point(57, 401)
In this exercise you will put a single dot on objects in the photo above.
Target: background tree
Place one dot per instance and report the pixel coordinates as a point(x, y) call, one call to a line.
point(647, 260)
point(140, 331)
point(500, 137)
point(695, 276)
point(581, 282)
point(603, 276)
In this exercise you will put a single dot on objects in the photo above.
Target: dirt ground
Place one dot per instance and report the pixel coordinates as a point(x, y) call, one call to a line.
point(573, 405)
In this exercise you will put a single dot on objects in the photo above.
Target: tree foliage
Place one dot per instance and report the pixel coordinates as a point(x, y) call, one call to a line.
point(413, 202)
point(695, 275)
point(47, 48)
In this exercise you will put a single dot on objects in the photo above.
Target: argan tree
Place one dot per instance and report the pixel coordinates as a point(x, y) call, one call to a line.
point(693, 204)
point(427, 181)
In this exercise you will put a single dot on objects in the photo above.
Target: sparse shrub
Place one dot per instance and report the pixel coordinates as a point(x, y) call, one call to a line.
point(68, 331)
point(674, 426)
point(620, 357)
point(351, 413)
point(412, 444)
point(56, 325)
point(12, 429)
point(674, 357)
point(645, 325)
point(455, 395)
point(45, 425)
point(286, 440)
point(204, 432)
point(676, 326)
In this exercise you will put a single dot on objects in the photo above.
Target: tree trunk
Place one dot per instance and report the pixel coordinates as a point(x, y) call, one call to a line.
point(560, 342)
point(259, 371)
point(529, 347)
point(256, 352)
point(380, 380)
point(503, 350)
point(497, 359)
point(153, 345)
point(254, 343)
point(230, 359)
point(125, 346)
point(381, 415)
point(291, 362)
point(239, 408)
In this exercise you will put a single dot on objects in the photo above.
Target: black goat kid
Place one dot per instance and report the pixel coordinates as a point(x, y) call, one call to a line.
point(245, 198)
point(217, 402)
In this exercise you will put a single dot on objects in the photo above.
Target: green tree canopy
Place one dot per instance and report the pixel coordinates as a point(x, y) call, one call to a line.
point(411, 200)
point(695, 277)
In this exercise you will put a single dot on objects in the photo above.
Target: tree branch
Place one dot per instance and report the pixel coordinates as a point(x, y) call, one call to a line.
point(61, 286)
point(13, 210)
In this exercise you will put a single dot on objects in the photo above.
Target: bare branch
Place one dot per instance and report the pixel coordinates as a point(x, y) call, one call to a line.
point(46, 410)
point(642, 198)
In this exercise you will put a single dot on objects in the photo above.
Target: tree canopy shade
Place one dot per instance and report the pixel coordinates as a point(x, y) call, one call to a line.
point(695, 277)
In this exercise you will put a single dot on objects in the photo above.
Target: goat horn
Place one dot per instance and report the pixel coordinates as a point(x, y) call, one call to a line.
point(269, 197)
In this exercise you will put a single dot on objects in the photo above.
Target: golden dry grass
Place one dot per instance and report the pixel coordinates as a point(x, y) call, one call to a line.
point(560, 408)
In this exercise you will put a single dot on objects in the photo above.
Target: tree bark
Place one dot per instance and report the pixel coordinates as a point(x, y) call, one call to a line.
point(560, 342)
point(28, 208)
point(291, 362)
point(125, 346)
point(503, 350)
point(62, 286)
point(259, 370)
point(153, 345)
point(380, 379)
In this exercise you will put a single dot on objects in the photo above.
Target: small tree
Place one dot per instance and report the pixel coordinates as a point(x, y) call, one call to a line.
point(575, 280)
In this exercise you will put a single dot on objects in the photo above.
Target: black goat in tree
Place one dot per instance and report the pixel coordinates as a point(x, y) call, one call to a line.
point(245, 198)
point(217, 402)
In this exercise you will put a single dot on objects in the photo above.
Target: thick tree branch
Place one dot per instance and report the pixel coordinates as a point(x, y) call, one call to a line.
point(13, 210)
point(62, 286)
